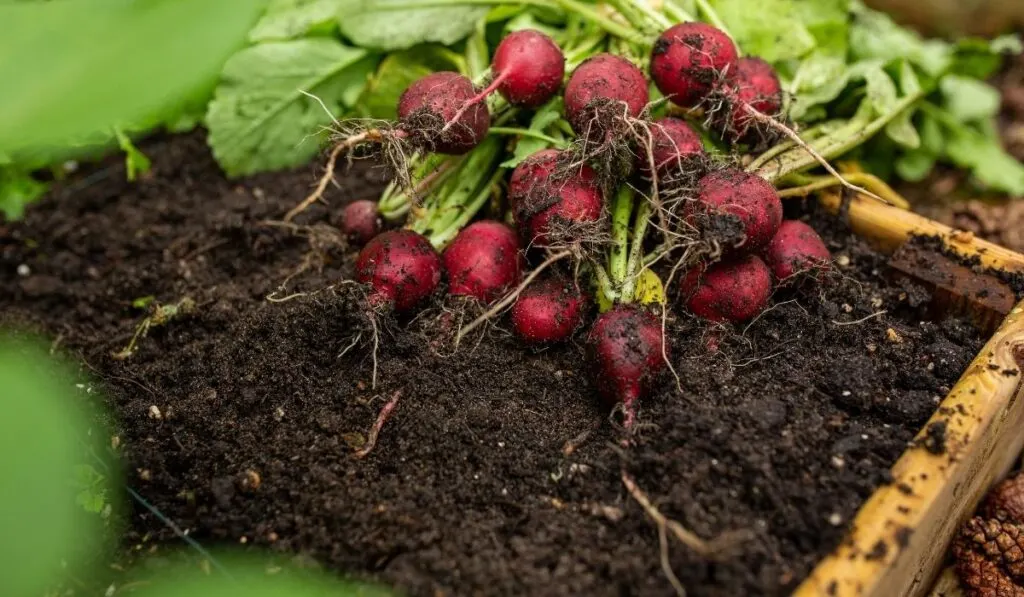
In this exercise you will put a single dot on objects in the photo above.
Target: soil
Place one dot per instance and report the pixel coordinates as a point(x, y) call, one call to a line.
point(238, 419)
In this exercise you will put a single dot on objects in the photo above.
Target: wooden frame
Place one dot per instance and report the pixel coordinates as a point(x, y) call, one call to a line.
point(898, 542)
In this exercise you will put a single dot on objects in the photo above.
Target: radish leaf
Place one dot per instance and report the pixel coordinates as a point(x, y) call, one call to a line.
point(290, 19)
point(260, 119)
point(372, 24)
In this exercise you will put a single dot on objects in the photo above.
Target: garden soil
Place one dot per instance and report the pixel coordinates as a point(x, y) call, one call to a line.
point(238, 419)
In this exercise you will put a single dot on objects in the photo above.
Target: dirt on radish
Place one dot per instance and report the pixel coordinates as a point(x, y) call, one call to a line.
point(780, 432)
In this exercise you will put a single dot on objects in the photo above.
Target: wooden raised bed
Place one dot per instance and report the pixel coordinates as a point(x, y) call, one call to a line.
point(898, 542)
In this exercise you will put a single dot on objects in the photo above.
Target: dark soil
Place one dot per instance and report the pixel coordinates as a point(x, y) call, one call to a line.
point(781, 432)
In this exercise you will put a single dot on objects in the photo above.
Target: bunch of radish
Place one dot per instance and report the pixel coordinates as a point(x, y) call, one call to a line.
point(583, 218)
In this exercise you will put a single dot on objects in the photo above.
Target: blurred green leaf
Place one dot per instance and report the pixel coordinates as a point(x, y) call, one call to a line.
point(969, 99)
point(901, 130)
point(290, 19)
point(135, 162)
point(784, 36)
point(43, 531)
point(18, 189)
point(914, 166)
point(260, 119)
point(79, 66)
point(250, 577)
point(875, 36)
point(371, 24)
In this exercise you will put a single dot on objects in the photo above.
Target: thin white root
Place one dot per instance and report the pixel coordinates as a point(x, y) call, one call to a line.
point(510, 298)
point(385, 414)
point(684, 535)
point(328, 175)
point(775, 124)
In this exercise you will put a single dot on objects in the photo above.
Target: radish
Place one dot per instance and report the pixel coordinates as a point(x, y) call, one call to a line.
point(675, 146)
point(483, 261)
point(688, 59)
point(528, 68)
point(360, 221)
point(794, 249)
point(532, 173)
point(431, 114)
point(627, 346)
point(601, 92)
point(548, 311)
point(401, 267)
point(734, 290)
point(751, 84)
point(549, 206)
point(748, 197)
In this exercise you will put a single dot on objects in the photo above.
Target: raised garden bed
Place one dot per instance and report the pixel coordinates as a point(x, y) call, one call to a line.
point(778, 437)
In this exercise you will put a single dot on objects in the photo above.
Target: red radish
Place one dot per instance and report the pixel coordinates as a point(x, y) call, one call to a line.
point(674, 145)
point(483, 261)
point(401, 267)
point(431, 114)
point(601, 91)
point(528, 68)
point(360, 221)
point(548, 311)
point(754, 84)
point(627, 347)
point(532, 173)
point(556, 205)
point(688, 59)
point(796, 248)
point(735, 290)
point(748, 197)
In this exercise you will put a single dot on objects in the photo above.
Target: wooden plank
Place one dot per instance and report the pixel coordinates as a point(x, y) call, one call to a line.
point(898, 542)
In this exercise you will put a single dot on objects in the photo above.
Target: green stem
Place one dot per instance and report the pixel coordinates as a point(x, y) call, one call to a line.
point(677, 13)
point(521, 132)
point(636, 252)
point(832, 145)
point(465, 213)
point(604, 283)
point(712, 16)
point(807, 135)
point(622, 209)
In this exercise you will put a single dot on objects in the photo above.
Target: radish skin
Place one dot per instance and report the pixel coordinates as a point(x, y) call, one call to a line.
point(735, 290)
point(688, 59)
point(483, 261)
point(548, 311)
point(401, 268)
point(360, 221)
point(628, 350)
point(796, 248)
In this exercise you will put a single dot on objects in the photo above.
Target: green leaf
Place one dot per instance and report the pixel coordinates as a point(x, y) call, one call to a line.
point(80, 66)
point(909, 83)
point(968, 99)
point(396, 72)
point(545, 116)
point(914, 166)
point(18, 189)
point(819, 79)
point(371, 24)
point(290, 19)
point(135, 162)
point(781, 37)
point(932, 139)
point(980, 58)
point(988, 162)
point(260, 119)
point(880, 88)
point(875, 36)
point(901, 130)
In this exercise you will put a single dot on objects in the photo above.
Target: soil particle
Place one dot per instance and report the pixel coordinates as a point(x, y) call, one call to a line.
point(468, 490)
point(935, 438)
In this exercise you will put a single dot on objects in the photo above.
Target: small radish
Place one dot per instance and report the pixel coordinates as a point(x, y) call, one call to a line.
point(559, 208)
point(752, 84)
point(483, 261)
point(547, 311)
point(746, 196)
point(735, 290)
point(360, 221)
point(431, 117)
point(401, 267)
point(675, 146)
point(528, 68)
point(430, 113)
point(532, 173)
point(688, 59)
point(796, 248)
point(627, 346)
point(603, 91)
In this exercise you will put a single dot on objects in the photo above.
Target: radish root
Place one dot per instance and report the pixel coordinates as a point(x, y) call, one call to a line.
point(328, 175)
point(385, 414)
